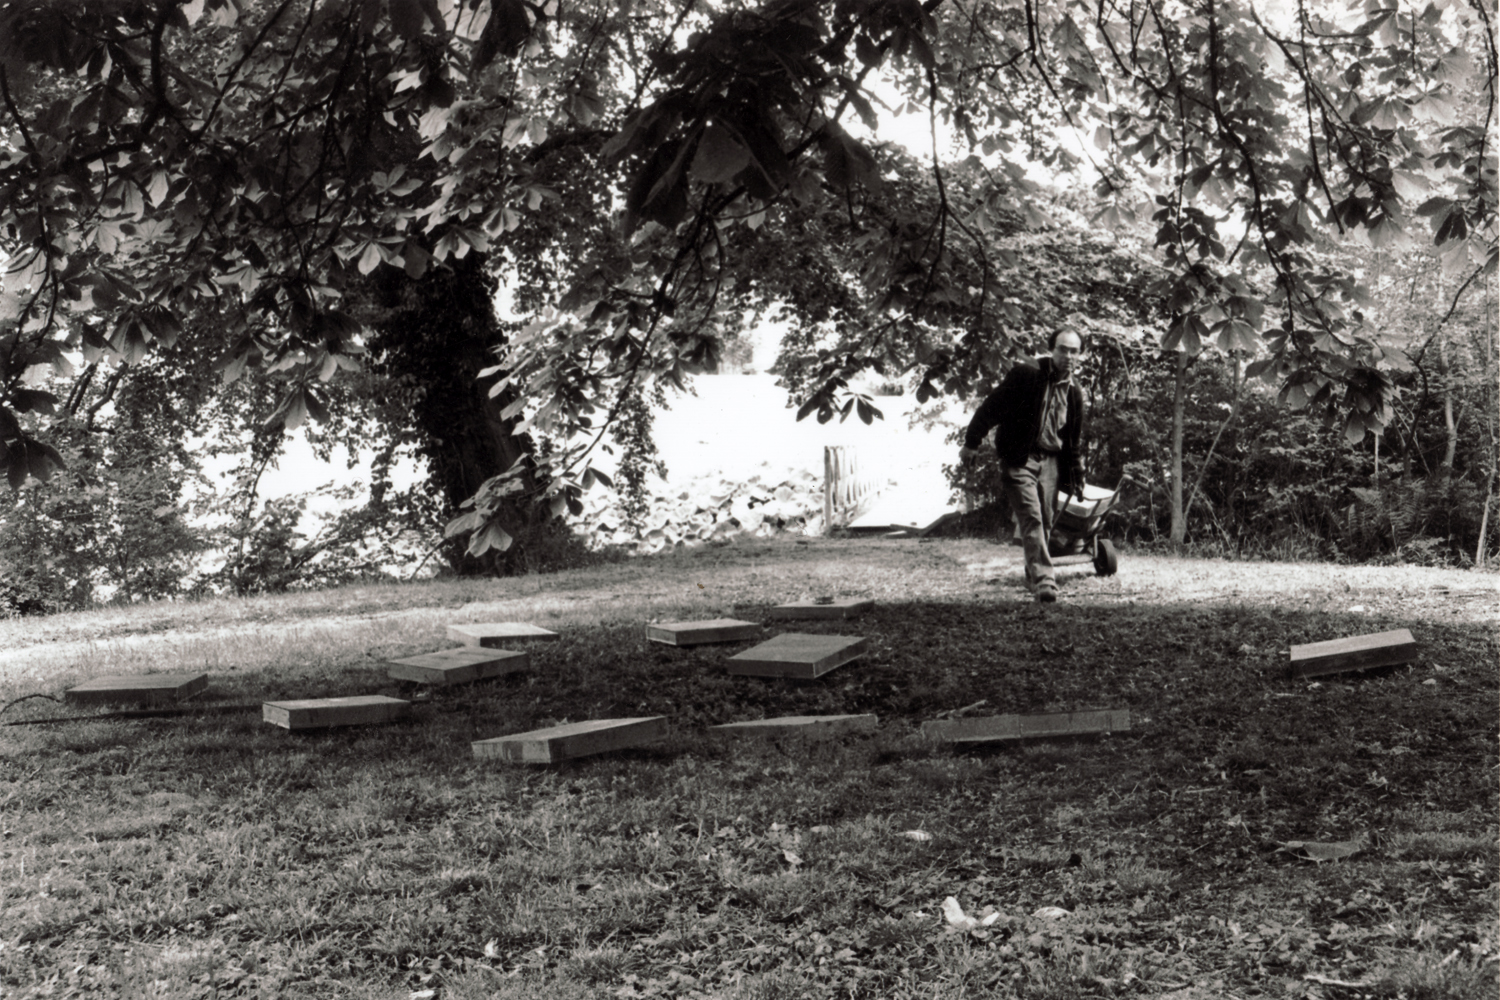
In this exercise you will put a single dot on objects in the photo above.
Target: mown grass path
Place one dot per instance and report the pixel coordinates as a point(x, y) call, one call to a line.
point(211, 855)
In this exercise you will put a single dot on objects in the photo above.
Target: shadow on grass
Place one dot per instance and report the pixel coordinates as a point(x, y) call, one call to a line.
point(382, 854)
point(1199, 682)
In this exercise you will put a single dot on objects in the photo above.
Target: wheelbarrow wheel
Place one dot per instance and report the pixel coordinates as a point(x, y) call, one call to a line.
point(1106, 559)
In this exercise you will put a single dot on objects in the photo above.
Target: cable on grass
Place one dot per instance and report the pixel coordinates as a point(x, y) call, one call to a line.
point(138, 713)
point(17, 701)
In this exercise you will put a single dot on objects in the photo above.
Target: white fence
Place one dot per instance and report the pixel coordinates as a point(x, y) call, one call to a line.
point(845, 486)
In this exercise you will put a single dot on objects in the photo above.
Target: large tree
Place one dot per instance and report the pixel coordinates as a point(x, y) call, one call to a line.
point(622, 162)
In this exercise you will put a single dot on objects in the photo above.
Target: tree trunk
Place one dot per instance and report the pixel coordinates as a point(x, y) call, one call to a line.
point(1450, 426)
point(1177, 532)
point(436, 335)
point(1484, 524)
point(1234, 413)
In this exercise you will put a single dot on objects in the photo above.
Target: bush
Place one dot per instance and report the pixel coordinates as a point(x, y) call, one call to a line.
point(1280, 484)
point(272, 551)
point(112, 520)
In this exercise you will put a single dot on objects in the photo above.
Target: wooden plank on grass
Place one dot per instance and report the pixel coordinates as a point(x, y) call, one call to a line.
point(844, 607)
point(938, 523)
point(1026, 727)
point(697, 633)
point(815, 727)
point(576, 739)
point(148, 689)
point(322, 713)
point(798, 654)
point(498, 635)
point(1382, 649)
point(459, 666)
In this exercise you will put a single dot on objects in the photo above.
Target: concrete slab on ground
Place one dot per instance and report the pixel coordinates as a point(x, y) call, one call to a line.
point(324, 713)
point(1025, 727)
point(497, 635)
point(798, 654)
point(844, 607)
point(148, 689)
point(1356, 652)
point(458, 666)
point(576, 739)
point(812, 727)
point(697, 633)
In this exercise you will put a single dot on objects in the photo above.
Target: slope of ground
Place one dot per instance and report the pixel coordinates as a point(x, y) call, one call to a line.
point(212, 855)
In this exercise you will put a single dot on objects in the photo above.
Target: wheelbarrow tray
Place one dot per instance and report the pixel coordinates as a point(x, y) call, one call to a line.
point(1082, 518)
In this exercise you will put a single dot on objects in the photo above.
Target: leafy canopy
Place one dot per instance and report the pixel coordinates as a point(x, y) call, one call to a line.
point(643, 170)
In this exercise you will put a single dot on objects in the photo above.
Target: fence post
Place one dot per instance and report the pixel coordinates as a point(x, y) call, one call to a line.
point(828, 489)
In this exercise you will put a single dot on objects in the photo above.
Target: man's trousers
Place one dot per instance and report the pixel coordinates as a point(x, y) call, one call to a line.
point(1031, 490)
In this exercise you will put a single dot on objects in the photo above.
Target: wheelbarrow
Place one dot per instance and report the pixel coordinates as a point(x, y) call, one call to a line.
point(1075, 530)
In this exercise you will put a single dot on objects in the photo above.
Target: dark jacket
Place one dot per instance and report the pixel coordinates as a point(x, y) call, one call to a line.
point(1016, 409)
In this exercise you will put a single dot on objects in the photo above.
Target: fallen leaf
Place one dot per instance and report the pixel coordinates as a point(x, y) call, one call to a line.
point(1052, 913)
point(954, 914)
point(792, 858)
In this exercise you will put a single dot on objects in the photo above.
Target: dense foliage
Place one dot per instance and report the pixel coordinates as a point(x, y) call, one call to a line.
point(236, 178)
point(1259, 480)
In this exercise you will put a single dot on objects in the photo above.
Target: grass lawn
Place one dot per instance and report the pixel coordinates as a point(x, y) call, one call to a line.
point(211, 855)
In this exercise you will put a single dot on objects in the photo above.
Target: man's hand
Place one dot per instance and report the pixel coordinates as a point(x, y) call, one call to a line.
point(967, 455)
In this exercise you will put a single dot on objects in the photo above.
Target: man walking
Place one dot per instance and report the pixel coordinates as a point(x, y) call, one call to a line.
point(1039, 413)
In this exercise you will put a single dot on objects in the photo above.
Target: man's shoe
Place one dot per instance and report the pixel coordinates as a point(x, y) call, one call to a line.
point(1046, 592)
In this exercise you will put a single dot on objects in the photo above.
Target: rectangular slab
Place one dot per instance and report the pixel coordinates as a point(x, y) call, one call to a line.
point(321, 713)
point(498, 635)
point(814, 727)
point(844, 607)
point(797, 654)
point(1381, 649)
point(458, 666)
point(697, 633)
point(576, 739)
point(150, 689)
point(1026, 727)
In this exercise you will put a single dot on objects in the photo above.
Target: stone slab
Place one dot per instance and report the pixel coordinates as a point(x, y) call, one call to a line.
point(797, 654)
point(498, 635)
point(844, 607)
point(814, 727)
point(149, 689)
point(697, 633)
point(459, 666)
point(322, 713)
point(575, 739)
point(1380, 649)
point(1026, 727)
